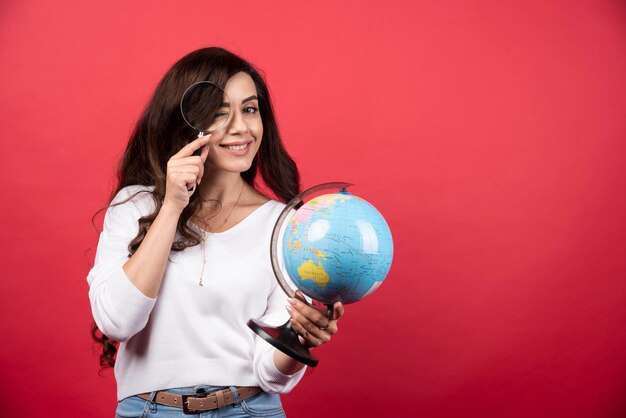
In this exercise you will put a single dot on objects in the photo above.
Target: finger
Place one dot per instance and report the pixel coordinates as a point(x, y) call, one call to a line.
point(193, 160)
point(181, 163)
point(186, 180)
point(188, 170)
point(192, 169)
point(321, 307)
point(311, 327)
point(194, 145)
point(312, 313)
point(203, 156)
point(310, 340)
point(204, 153)
point(338, 311)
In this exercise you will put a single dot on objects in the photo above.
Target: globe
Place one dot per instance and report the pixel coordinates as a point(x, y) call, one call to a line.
point(337, 247)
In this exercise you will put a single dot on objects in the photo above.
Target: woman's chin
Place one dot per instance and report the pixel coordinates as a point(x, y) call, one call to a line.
point(230, 166)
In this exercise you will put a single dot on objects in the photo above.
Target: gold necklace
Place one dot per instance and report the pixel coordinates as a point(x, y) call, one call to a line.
point(243, 183)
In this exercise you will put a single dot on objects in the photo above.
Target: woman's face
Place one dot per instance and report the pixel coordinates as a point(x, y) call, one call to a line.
point(233, 146)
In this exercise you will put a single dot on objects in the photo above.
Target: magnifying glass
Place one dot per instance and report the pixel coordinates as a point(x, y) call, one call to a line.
point(205, 107)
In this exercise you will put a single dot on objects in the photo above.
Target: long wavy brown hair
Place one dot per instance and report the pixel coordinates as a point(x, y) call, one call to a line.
point(161, 132)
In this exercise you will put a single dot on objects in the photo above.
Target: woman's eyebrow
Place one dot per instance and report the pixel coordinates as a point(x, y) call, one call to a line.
point(247, 99)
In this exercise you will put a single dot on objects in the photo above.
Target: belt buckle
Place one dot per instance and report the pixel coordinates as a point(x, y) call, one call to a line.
point(186, 409)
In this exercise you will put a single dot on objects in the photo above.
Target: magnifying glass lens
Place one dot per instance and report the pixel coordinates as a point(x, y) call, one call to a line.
point(205, 107)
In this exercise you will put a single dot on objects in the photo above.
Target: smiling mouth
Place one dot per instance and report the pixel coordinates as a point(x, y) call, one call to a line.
point(236, 147)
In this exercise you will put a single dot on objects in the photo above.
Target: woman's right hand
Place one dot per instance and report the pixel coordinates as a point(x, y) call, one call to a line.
point(184, 172)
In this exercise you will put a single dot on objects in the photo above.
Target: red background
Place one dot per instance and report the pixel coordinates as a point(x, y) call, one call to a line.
point(489, 133)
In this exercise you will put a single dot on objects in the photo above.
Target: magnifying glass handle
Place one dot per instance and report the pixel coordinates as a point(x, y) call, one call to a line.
point(196, 152)
point(199, 150)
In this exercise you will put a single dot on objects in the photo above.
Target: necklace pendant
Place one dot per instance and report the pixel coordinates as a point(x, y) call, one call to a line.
point(200, 283)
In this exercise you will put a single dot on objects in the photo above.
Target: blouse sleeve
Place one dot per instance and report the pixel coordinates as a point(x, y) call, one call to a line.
point(120, 310)
point(268, 376)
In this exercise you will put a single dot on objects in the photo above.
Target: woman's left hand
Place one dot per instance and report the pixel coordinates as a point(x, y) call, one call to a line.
point(311, 323)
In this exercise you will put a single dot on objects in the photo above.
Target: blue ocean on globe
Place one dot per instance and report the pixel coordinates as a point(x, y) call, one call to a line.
point(337, 247)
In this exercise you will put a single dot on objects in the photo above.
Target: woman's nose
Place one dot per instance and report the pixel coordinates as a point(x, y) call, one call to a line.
point(237, 123)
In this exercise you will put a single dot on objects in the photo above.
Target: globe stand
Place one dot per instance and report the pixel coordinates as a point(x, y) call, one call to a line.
point(283, 337)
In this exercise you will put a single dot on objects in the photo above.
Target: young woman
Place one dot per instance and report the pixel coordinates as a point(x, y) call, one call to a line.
point(177, 275)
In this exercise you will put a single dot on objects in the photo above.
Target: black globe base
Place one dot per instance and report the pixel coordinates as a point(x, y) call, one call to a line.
point(285, 339)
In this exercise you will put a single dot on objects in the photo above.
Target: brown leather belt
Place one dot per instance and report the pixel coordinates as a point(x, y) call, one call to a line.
point(201, 402)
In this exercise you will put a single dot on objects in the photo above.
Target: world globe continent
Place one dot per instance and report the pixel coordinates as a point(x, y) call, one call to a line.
point(337, 247)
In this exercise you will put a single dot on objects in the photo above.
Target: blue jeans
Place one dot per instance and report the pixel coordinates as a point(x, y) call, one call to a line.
point(261, 405)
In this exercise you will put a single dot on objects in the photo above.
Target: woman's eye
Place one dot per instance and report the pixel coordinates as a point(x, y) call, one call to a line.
point(251, 109)
point(221, 115)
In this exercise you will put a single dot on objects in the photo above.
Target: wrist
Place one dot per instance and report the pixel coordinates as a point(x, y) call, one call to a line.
point(285, 364)
point(170, 211)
